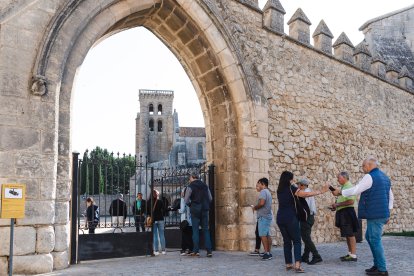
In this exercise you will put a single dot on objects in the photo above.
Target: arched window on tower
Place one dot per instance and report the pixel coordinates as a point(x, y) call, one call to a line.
point(159, 126)
point(151, 125)
point(151, 109)
point(200, 151)
point(159, 109)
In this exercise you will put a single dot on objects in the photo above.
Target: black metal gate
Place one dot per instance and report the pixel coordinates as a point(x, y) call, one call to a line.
point(105, 178)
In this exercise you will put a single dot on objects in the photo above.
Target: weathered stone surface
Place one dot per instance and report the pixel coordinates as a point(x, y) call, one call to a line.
point(48, 189)
point(24, 241)
point(4, 264)
point(33, 264)
point(62, 212)
point(60, 260)
point(12, 138)
point(62, 237)
point(45, 242)
point(38, 212)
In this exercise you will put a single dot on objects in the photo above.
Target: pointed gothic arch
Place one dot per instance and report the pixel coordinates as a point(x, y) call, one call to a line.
point(206, 51)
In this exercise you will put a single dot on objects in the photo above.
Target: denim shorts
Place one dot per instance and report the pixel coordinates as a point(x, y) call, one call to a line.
point(264, 227)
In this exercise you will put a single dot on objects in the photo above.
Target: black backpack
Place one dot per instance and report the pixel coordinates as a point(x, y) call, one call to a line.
point(176, 204)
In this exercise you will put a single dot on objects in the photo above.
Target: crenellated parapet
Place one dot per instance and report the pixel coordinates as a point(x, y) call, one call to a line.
point(299, 27)
point(362, 56)
point(405, 78)
point(322, 38)
point(344, 49)
point(273, 16)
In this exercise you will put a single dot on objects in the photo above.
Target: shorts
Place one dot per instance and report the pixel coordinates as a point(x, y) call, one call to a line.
point(264, 227)
point(347, 222)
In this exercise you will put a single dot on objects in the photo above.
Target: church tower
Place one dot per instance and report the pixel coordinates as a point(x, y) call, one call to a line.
point(154, 125)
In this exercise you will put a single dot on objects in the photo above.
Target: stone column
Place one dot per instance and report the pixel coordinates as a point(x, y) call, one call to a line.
point(299, 27)
point(322, 38)
point(273, 16)
point(344, 49)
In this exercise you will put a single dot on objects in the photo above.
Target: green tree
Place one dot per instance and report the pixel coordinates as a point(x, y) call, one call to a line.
point(102, 172)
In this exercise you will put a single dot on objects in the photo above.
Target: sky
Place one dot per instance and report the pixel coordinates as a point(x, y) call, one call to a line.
point(105, 101)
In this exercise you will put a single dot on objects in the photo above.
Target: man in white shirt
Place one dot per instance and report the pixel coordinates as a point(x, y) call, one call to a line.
point(306, 227)
point(375, 204)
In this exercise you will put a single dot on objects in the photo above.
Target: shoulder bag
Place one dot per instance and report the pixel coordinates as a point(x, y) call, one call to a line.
point(148, 220)
point(301, 212)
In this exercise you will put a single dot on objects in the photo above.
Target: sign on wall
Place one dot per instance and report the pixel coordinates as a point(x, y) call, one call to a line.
point(12, 200)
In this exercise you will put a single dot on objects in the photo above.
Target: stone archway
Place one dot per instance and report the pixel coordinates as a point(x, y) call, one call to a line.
point(200, 43)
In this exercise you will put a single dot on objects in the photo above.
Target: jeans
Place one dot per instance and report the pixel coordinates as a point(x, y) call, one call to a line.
point(159, 229)
point(305, 232)
point(199, 216)
point(291, 234)
point(373, 236)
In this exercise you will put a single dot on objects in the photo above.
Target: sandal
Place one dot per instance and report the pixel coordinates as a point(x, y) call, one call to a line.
point(299, 270)
point(289, 267)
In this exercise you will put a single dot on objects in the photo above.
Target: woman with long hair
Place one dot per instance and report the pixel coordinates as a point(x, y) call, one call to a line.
point(156, 209)
point(287, 220)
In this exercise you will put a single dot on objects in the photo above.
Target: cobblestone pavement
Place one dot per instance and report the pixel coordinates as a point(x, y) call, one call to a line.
point(398, 250)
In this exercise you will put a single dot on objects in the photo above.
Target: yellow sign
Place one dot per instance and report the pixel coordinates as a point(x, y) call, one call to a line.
point(12, 200)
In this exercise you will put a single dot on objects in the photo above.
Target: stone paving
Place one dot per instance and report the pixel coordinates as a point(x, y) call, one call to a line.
point(399, 252)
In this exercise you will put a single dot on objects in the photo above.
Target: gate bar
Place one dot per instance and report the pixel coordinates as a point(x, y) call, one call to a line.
point(74, 211)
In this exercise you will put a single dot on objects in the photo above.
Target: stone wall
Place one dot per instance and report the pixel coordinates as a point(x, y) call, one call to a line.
point(326, 116)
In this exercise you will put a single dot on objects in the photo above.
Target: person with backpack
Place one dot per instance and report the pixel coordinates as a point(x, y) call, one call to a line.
point(290, 212)
point(198, 198)
point(92, 215)
point(306, 226)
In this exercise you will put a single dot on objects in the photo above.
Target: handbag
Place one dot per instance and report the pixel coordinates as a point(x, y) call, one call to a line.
point(184, 224)
point(302, 212)
point(148, 220)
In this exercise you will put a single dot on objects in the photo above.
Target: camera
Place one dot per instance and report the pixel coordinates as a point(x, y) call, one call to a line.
point(331, 188)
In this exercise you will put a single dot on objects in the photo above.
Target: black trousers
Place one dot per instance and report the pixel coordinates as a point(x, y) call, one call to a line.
point(187, 238)
point(305, 231)
point(140, 223)
point(258, 239)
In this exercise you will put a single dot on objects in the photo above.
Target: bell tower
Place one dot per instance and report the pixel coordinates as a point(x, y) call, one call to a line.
point(154, 125)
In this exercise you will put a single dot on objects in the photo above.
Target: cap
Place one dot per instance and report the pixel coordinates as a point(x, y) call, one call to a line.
point(303, 181)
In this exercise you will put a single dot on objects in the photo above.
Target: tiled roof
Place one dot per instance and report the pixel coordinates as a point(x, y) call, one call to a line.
point(192, 132)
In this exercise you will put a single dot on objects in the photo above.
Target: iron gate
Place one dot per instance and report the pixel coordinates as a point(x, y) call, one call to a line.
point(104, 178)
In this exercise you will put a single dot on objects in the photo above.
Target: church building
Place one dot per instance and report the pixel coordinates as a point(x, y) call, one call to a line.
point(159, 138)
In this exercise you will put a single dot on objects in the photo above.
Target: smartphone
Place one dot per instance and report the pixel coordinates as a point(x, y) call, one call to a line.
point(331, 188)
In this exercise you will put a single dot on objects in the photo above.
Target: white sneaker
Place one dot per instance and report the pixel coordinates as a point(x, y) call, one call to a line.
point(163, 252)
point(156, 253)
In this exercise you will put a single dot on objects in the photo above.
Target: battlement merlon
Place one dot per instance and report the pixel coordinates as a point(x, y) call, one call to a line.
point(155, 93)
